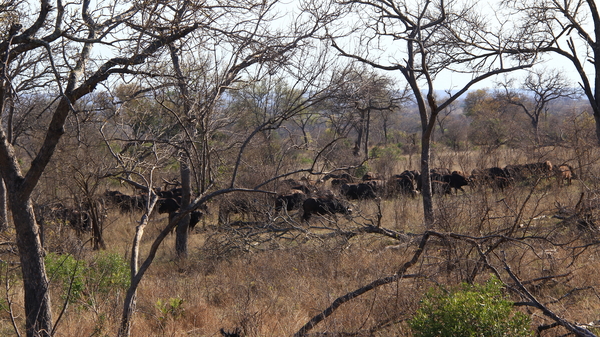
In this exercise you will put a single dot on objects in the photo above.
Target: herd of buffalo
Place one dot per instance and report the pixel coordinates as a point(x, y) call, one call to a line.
point(329, 195)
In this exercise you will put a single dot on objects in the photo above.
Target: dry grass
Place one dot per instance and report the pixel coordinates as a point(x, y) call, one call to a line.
point(273, 288)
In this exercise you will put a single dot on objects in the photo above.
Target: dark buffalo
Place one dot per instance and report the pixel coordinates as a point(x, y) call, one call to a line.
point(235, 333)
point(170, 202)
point(167, 205)
point(79, 220)
point(127, 203)
point(436, 174)
point(369, 176)
point(323, 206)
point(441, 171)
point(174, 193)
point(440, 187)
point(456, 180)
point(495, 177)
point(404, 183)
point(337, 180)
point(358, 191)
point(516, 172)
point(443, 181)
point(195, 217)
point(290, 201)
point(529, 171)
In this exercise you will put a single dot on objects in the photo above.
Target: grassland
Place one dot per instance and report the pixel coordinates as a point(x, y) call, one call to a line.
point(270, 280)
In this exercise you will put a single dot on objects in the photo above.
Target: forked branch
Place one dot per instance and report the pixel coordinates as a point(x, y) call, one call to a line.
point(375, 284)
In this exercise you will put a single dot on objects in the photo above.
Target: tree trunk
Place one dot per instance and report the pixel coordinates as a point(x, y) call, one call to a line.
point(38, 311)
point(3, 206)
point(136, 273)
point(358, 143)
point(368, 125)
point(181, 238)
point(426, 190)
point(536, 130)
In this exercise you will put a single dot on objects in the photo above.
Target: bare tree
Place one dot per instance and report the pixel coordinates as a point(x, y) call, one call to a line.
point(429, 37)
point(67, 70)
point(570, 29)
point(542, 87)
point(225, 58)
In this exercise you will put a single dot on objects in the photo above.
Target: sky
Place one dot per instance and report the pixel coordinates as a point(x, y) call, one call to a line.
point(551, 61)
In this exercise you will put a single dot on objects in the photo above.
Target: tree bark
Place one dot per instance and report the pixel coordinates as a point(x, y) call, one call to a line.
point(426, 191)
point(136, 275)
point(3, 206)
point(181, 238)
point(38, 320)
point(38, 310)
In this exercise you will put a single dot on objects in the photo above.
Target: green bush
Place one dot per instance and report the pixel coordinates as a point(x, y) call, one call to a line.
point(80, 280)
point(109, 272)
point(172, 308)
point(68, 272)
point(469, 310)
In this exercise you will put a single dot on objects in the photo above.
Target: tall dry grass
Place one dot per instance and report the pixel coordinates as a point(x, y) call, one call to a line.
point(270, 285)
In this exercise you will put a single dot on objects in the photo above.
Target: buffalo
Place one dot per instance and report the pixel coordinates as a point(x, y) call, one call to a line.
point(170, 202)
point(444, 182)
point(527, 171)
point(304, 184)
point(195, 217)
point(79, 220)
point(495, 177)
point(369, 176)
point(337, 180)
point(338, 176)
point(358, 191)
point(456, 180)
point(167, 205)
point(404, 183)
point(174, 193)
point(323, 206)
point(291, 201)
point(441, 171)
point(440, 187)
point(127, 203)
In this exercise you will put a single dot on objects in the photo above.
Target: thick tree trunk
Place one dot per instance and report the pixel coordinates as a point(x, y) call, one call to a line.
point(426, 190)
point(181, 238)
point(38, 311)
point(35, 281)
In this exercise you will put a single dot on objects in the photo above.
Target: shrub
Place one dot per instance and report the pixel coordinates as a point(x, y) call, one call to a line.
point(108, 273)
point(68, 272)
point(469, 310)
point(172, 308)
